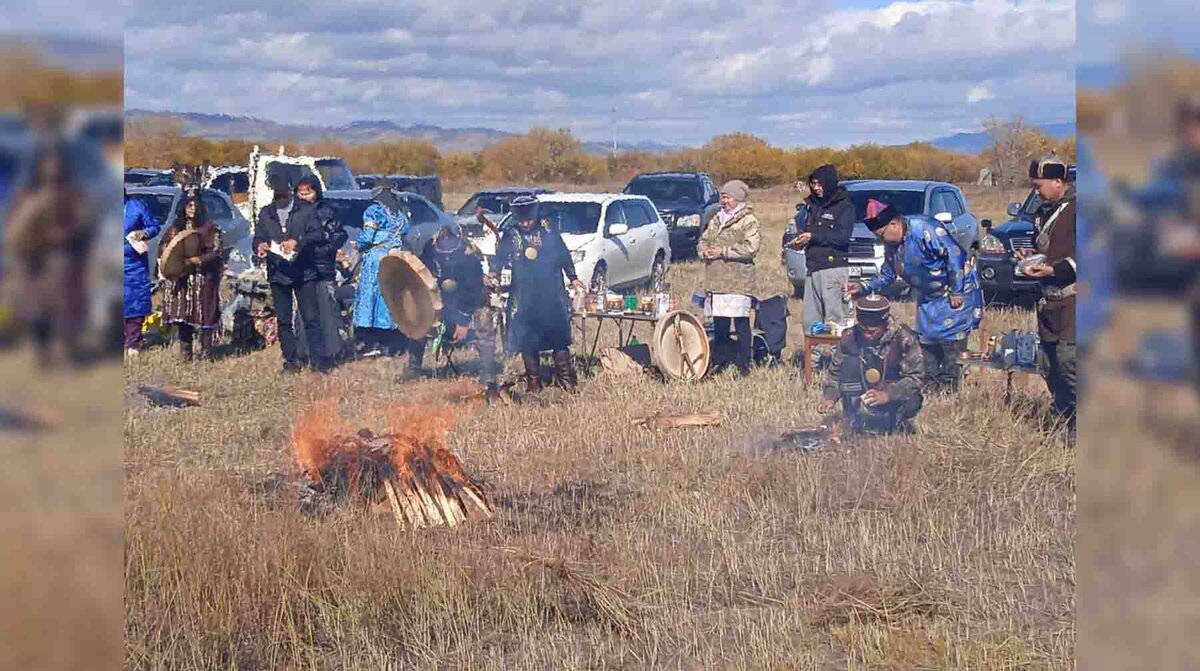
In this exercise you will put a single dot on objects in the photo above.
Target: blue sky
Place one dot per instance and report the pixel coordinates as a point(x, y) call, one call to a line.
point(798, 72)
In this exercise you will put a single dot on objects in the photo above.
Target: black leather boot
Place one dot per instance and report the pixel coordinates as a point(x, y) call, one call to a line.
point(564, 371)
point(533, 372)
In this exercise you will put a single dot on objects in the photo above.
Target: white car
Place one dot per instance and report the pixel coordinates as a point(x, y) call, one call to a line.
point(616, 240)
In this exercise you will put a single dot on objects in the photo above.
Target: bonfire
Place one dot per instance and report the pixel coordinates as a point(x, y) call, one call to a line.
point(407, 470)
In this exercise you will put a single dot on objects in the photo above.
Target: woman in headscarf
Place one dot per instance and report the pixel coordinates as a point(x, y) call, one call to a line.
point(728, 247)
point(384, 226)
point(193, 302)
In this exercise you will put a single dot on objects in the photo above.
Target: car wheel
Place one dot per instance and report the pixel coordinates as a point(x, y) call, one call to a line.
point(658, 274)
point(599, 285)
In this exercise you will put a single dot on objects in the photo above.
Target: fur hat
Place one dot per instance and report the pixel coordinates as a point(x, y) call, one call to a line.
point(1048, 167)
point(872, 310)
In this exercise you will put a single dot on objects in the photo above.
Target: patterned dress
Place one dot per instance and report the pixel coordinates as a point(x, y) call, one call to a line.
point(195, 298)
point(382, 232)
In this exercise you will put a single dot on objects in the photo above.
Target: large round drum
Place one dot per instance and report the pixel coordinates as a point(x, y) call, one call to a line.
point(411, 293)
point(680, 346)
point(172, 265)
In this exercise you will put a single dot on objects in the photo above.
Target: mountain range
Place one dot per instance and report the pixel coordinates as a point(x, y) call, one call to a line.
point(973, 143)
point(228, 127)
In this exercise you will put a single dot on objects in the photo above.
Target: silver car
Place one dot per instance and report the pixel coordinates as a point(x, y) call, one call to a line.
point(163, 202)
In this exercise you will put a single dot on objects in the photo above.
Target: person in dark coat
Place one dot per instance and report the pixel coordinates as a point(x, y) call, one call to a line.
point(876, 372)
point(140, 226)
point(1055, 222)
point(466, 317)
point(541, 314)
point(293, 226)
point(193, 302)
point(826, 245)
point(308, 189)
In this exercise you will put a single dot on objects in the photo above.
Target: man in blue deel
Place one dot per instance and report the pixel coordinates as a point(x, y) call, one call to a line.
point(949, 298)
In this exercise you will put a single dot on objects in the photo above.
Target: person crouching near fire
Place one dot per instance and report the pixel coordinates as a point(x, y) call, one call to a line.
point(946, 286)
point(876, 372)
point(541, 309)
point(466, 317)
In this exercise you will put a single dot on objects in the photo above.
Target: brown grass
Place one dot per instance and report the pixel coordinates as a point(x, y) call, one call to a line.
point(613, 546)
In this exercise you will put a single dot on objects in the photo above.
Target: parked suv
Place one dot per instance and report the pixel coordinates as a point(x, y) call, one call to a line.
point(939, 200)
point(685, 200)
point(997, 263)
point(616, 240)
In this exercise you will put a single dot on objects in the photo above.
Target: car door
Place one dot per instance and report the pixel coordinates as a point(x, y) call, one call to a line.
point(964, 221)
point(658, 235)
point(615, 250)
point(945, 200)
point(641, 240)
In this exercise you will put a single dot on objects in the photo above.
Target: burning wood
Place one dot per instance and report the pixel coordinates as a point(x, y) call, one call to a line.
point(410, 473)
point(662, 421)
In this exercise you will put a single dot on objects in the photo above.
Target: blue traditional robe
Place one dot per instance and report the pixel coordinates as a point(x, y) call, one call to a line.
point(137, 266)
point(933, 263)
point(382, 232)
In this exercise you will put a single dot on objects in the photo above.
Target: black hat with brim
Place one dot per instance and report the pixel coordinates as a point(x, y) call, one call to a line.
point(885, 217)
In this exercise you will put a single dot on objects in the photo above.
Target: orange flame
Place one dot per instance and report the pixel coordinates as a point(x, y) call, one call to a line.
point(317, 423)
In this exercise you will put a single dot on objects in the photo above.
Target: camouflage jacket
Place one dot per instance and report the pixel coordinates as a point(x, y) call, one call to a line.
point(738, 240)
point(897, 355)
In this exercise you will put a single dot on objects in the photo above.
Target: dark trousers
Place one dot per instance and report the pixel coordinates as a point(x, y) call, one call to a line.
point(745, 340)
point(285, 299)
point(943, 365)
point(1061, 377)
point(133, 332)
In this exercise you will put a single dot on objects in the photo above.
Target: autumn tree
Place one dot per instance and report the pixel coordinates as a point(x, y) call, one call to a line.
point(746, 157)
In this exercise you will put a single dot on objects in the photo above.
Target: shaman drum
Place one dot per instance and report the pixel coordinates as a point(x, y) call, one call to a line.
point(680, 346)
point(411, 293)
point(172, 265)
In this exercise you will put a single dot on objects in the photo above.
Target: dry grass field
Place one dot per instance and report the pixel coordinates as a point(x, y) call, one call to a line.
point(613, 546)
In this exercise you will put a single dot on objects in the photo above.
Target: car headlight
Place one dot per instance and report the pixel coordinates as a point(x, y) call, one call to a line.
point(990, 244)
point(577, 256)
point(691, 221)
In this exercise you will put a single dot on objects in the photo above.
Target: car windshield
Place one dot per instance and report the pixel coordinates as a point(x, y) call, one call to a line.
point(666, 190)
point(336, 175)
point(907, 202)
point(293, 172)
point(159, 204)
point(492, 202)
point(571, 218)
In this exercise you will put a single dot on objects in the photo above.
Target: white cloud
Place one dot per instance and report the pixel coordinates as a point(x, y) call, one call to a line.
point(791, 70)
point(980, 93)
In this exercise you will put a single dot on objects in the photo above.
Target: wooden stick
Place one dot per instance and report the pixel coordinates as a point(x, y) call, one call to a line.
point(431, 509)
point(401, 518)
point(416, 518)
point(453, 517)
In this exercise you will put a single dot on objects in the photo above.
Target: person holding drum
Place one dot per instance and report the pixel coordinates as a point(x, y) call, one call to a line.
point(193, 300)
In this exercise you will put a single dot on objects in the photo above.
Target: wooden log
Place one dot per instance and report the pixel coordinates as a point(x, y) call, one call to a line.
point(408, 500)
point(397, 511)
point(432, 513)
point(170, 395)
point(450, 509)
point(661, 421)
point(469, 492)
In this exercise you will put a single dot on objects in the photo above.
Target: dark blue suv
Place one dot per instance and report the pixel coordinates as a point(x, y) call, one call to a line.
point(685, 200)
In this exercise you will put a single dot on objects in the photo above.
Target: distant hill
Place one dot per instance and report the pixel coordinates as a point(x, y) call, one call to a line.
point(227, 127)
point(973, 143)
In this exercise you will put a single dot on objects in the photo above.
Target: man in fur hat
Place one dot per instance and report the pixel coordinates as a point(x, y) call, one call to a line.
point(1055, 222)
point(876, 372)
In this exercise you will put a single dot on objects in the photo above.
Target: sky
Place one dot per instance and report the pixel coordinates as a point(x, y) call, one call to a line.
point(796, 72)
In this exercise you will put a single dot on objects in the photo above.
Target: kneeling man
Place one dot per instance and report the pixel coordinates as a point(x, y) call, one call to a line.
point(876, 372)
